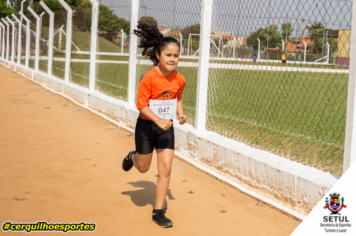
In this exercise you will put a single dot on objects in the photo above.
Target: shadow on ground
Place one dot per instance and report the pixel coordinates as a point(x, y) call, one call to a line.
point(146, 195)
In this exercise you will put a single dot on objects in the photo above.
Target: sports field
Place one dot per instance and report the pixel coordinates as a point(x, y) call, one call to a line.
point(300, 115)
point(61, 163)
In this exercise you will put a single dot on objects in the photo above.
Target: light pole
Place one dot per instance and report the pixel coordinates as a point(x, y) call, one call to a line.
point(145, 9)
point(324, 28)
point(282, 45)
point(305, 50)
point(174, 17)
point(295, 51)
point(259, 44)
point(269, 15)
point(238, 29)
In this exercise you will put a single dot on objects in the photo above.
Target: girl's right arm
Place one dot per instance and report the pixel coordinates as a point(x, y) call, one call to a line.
point(162, 123)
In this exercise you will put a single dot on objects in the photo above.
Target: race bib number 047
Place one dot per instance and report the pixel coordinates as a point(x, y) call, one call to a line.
point(165, 109)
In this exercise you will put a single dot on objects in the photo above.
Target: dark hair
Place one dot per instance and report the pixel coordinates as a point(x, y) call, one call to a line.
point(152, 40)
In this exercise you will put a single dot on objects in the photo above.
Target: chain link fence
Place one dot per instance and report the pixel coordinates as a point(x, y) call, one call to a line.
point(298, 113)
point(112, 60)
point(44, 39)
point(80, 45)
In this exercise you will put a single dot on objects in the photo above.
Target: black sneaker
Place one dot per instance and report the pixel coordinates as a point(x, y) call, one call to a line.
point(159, 218)
point(127, 162)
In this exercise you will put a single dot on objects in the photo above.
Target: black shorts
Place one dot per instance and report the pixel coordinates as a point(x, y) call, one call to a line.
point(284, 61)
point(149, 136)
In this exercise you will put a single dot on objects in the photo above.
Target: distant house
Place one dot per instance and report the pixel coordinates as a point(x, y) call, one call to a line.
point(298, 46)
point(229, 40)
point(176, 34)
point(164, 30)
point(343, 46)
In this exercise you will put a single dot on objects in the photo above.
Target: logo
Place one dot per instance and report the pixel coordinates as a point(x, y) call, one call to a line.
point(165, 94)
point(335, 205)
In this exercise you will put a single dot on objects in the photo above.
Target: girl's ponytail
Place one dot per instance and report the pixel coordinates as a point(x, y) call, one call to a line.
point(152, 41)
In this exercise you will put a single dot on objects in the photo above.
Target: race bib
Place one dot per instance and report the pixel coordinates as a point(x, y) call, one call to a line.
point(165, 109)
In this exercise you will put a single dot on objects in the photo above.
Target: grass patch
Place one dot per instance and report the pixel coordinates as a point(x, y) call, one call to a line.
point(19, 199)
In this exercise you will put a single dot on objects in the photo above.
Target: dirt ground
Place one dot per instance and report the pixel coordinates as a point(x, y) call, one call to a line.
point(61, 163)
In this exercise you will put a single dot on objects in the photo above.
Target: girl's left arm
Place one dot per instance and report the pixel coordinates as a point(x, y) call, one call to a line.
point(182, 118)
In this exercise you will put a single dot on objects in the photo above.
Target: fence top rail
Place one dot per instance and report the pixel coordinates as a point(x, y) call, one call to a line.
point(24, 17)
point(15, 17)
point(46, 8)
point(33, 13)
point(4, 21)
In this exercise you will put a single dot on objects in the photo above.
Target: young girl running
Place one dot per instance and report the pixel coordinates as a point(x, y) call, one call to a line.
point(159, 99)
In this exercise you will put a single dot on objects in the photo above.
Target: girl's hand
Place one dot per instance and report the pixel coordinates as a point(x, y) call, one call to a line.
point(164, 124)
point(183, 119)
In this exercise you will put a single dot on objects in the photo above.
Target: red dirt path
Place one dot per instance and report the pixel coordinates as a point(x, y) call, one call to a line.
point(62, 163)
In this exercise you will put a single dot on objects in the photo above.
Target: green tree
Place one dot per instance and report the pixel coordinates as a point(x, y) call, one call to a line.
point(287, 29)
point(316, 31)
point(270, 32)
point(5, 10)
point(193, 29)
point(148, 20)
point(110, 22)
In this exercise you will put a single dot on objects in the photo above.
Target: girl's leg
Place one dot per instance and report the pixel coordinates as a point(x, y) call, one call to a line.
point(142, 162)
point(164, 164)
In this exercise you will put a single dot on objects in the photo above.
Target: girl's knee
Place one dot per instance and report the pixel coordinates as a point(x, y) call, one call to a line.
point(143, 168)
point(165, 170)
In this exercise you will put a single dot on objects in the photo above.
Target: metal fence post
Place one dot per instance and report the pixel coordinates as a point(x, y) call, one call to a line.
point(50, 37)
point(2, 41)
point(93, 42)
point(7, 38)
point(12, 39)
point(68, 39)
point(28, 39)
point(19, 45)
point(37, 48)
point(203, 68)
point(133, 53)
point(350, 131)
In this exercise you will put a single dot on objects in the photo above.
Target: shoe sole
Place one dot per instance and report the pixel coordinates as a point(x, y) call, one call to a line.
point(123, 161)
point(163, 226)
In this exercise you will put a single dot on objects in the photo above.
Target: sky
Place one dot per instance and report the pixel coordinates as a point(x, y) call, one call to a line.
point(241, 17)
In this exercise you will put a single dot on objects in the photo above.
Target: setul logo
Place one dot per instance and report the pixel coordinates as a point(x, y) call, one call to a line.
point(335, 205)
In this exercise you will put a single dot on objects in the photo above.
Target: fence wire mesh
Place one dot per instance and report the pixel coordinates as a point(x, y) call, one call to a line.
point(59, 43)
point(44, 42)
point(1, 40)
point(10, 39)
point(295, 109)
point(31, 62)
point(80, 43)
point(16, 40)
point(174, 19)
point(23, 43)
point(112, 60)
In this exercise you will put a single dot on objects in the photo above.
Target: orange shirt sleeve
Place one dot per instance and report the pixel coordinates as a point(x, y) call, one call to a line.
point(144, 92)
point(180, 92)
